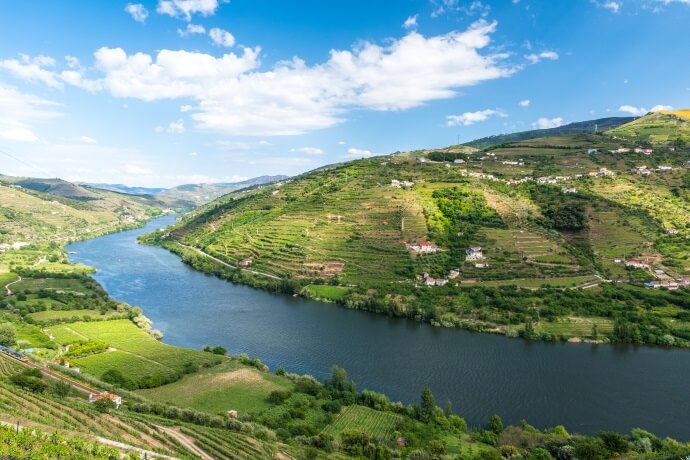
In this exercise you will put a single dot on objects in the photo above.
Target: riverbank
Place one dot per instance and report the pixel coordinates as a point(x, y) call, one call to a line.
point(547, 323)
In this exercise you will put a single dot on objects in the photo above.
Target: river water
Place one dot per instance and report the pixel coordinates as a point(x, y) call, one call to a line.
point(585, 387)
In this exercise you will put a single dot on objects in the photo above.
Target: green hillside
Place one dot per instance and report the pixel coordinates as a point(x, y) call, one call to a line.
point(550, 214)
point(666, 127)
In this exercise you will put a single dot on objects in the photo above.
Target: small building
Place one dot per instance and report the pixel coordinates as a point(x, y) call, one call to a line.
point(642, 171)
point(459, 161)
point(617, 261)
point(671, 231)
point(636, 264)
point(424, 247)
point(421, 160)
point(592, 151)
point(431, 281)
point(479, 265)
point(395, 183)
point(664, 168)
point(232, 413)
point(474, 253)
point(454, 274)
point(246, 262)
point(117, 400)
point(569, 190)
point(407, 183)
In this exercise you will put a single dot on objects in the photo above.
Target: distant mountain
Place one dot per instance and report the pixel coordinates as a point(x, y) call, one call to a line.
point(121, 188)
point(203, 193)
point(56, 187)
point(580, 127)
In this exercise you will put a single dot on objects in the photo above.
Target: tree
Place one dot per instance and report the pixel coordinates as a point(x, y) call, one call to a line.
point(495, 425)
point(60, 388)
point(427, 406)
point(8, 334)
point(595, 332)
point(104, 405)
point(218, 350)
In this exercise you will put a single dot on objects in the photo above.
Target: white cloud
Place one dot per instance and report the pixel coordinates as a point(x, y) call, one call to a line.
point(232, 96)
point(410, 22)
point(186, 108)
point(18, 111)
point(138, 12)
point(33, 70)
point(524, 103)
point(639, 111)
point(613, 6)
point(221, 37)
point(191, 29)
point(341, 142)
point(470, 118)
point(546, 123)
point(359, 152)
point(185, 9)
point(87, 139)
point(308, 150)
point(661, 107)
point(535, 58)
point(174, 127)
point(136, 170)
point(473, 8)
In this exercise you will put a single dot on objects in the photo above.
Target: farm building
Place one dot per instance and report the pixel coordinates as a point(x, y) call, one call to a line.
point(232, 413)
point(664, 168)
point(246, 262)
point(458, 161)
point(430, 281)
point(569, 190)
point(474, 253)
point(592, 151)
point(642, 171)
point(424, 247)
point(117, 400)
point(636, 264)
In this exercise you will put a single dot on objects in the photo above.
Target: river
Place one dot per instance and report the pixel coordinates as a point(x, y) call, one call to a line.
point(587, 388)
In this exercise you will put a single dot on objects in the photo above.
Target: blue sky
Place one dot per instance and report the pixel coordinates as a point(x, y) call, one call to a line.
point(165, 92)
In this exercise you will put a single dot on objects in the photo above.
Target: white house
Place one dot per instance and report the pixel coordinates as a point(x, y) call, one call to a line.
point(636, 264)
point(117, 400)
point(424, 247)
point(395, 183)
point(459, 161)
point(569, 190)
point(474, 253)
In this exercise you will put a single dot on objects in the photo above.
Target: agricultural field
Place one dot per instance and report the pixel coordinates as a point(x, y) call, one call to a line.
point(54, 284)
point(379, 425)
point(221, 388)
point(576, 327)
point(9, 366)
point(69, 315)
point(133, 351)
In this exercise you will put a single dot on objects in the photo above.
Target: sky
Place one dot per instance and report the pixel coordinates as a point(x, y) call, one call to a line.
point(165, 92)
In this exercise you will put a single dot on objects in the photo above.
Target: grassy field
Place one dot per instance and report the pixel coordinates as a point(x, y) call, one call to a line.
point(322, 291)
point(221, 388)
point(568, 281)
point(378, 425)
point(9, 366)
point(134, 352)
point(55, 284)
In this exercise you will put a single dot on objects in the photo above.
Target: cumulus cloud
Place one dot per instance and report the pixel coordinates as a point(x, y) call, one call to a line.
point(308, 150)
point(138, 12)
point(470, 118)
point(546, 123)
point(661, 107)
point(221, 37)
point(233, 96)
point(359, 152)
point(524, 103)
point(185, 9)
point(35, 70)
point(186, 108)
point(538, 57)
point(18, 111)
point(191, 29)
point(410, 22)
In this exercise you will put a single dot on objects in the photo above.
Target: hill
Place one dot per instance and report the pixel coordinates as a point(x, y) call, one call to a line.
point(524, 222)
point(42, 210)
point(581, 127)
point(203, 193)
point(659, 128)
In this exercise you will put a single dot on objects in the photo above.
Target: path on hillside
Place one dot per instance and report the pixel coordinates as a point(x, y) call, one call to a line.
point(227, 264)
point(185, 441)
point(7, 286)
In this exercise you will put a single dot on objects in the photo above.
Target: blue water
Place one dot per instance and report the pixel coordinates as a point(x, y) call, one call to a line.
point(585, 387)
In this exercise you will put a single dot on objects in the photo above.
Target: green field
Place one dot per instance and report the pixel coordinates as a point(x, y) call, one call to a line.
point(576, 327)
point(9, 366)
point(136, 354)
point(221, 388)
point(379, 425)
point(322, 291)
point(68, 315)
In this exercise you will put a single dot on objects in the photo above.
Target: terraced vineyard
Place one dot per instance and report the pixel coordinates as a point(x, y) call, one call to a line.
point(378, 425)
point(9, 366)
point(225, 445)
